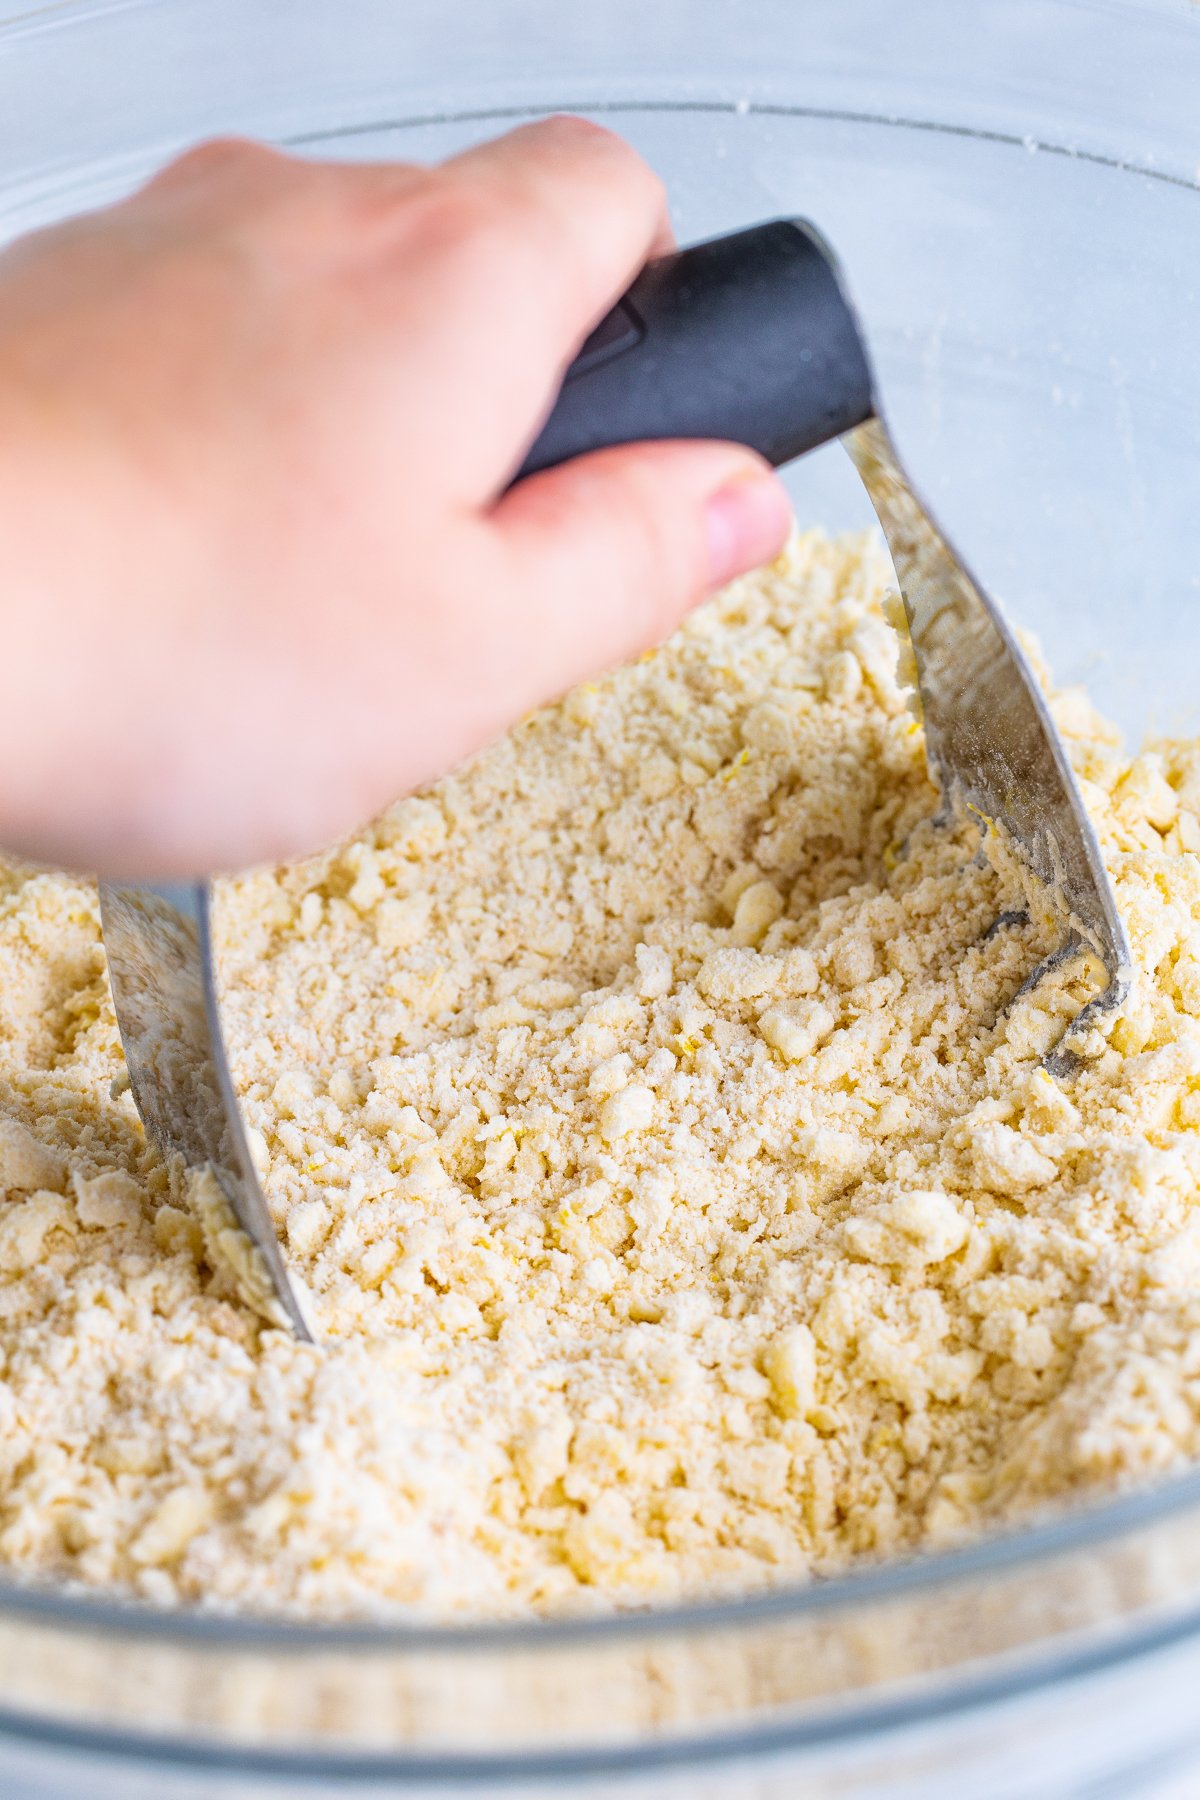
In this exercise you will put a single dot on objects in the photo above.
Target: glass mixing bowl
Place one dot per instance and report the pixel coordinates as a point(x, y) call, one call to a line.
point(1013, 189)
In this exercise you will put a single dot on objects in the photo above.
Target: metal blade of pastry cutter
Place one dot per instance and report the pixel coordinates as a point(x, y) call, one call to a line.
point(989, 736)
point(159, 946)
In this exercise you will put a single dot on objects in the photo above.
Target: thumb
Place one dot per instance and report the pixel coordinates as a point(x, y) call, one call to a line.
point(608, 552)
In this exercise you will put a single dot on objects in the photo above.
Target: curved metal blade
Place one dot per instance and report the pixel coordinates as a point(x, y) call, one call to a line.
point(989, 735)
point(158, 941)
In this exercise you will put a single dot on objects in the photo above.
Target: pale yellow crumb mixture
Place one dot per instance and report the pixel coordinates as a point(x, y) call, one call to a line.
point(650, 1117)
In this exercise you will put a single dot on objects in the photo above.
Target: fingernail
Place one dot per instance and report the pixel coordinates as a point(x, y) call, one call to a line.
point(746, 522)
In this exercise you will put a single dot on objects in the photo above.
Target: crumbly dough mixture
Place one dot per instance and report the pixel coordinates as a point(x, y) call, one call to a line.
point(652, 1114)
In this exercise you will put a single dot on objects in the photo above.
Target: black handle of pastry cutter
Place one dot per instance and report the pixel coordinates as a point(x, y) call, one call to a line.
point(749, 337)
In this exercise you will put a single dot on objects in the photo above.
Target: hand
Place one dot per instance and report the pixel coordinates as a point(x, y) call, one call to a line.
point(259, 572)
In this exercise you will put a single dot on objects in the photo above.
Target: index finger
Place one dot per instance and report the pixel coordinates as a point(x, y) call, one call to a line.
point(539, 232)
point(530, 166)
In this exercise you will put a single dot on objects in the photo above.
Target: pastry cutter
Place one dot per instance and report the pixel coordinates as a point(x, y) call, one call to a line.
point(749, 337)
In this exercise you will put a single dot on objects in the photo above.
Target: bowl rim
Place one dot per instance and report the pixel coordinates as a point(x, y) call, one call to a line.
point(1066, 1534)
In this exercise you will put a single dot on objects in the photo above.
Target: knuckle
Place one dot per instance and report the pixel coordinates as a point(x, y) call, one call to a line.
point(449, 212)
point(574, 127)
point(602, 141)
point(459, 205)
point(651, 537)
point(376, 194)
point(671, 545)
point(496, 236)
point(216, 156)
